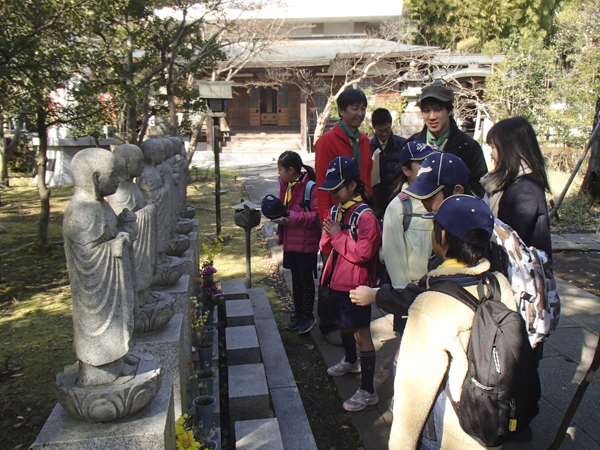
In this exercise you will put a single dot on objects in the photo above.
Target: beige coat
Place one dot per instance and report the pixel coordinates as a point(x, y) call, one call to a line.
point(436, 336)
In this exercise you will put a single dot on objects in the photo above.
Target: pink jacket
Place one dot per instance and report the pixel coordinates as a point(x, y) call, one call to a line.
point(349, 271)
point(301, 233)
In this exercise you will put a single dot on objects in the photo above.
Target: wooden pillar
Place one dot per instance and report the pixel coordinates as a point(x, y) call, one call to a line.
point(303, 124)
point(209, 134)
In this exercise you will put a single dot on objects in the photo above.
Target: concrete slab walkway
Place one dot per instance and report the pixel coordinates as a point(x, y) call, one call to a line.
point(567, 356)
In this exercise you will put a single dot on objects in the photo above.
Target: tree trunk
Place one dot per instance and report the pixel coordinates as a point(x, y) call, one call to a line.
point(7, 149)
point(591, 181)
point(132, 118)
point(322, 121)
point(44, 192)
point(172, 110)
point(194, 138)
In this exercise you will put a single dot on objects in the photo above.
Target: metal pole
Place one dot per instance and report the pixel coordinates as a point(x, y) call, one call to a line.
point(248, 272)
point(216, 135)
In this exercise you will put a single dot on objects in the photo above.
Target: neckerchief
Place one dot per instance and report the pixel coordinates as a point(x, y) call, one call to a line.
point(342, 208)
point(452, 263)
point(437, 144)
point(353, 138)
point(288, 191)
point(382, 144)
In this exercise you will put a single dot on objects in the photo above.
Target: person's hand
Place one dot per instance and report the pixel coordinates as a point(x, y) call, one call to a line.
point(363, 295)
point(282, 221)
point(331, 226)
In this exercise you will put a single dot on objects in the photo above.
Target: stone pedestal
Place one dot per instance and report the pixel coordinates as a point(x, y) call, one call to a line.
point(238, 313)
point(248, 392)
point(181, 294)
point(153, 428)
point(168, 346)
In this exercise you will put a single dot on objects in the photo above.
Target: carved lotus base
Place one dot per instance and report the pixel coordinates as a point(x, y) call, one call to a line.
point(184, 226)
point(155, 314)
point(189, 212)
point(178, 245)
point(105, 403)
point(168, 272)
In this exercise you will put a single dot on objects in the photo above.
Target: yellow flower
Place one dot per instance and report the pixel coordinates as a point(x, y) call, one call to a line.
point(180, 421)
point(186, 441)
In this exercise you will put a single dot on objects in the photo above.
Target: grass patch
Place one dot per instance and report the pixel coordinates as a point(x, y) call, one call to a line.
point(36, 329)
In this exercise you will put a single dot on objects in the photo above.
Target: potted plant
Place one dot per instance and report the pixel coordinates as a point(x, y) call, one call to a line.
point(203, 402)
point(206, 377)
point(209, 293)
point(188, 436)
point(200, 339)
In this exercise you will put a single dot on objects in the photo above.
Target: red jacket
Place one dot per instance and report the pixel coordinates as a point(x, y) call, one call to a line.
point(301, 233)
point(336, 143)
point(350, 271)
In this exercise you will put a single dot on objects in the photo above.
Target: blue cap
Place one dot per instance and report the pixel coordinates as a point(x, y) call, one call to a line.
point(340, 169)
point(437, 170)
point(459, 214)
point(272, 207)
point(414, 151)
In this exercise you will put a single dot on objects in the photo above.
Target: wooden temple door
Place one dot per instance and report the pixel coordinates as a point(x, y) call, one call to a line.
point(268, 106)
point(283, 116)
point(253, 108)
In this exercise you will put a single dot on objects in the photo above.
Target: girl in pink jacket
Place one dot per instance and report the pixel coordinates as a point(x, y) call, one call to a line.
point(299, 235)
point(353, 235)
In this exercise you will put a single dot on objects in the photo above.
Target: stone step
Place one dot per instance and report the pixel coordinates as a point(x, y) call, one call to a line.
point(238, 313)
point(259, 434)
point(241, 344)
point(248, 392)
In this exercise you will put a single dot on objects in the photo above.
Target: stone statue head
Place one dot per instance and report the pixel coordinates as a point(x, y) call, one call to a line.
point(168, 146)
point(154, 152)
point(96, 171)
point(131, 160)
point(177, 145)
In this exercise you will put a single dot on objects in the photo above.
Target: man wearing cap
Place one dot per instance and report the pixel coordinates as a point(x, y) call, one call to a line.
point(344, 139)
point(385, 147)
point(441, 132)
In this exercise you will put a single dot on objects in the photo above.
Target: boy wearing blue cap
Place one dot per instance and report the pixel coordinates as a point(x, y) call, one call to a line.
point(434, 344)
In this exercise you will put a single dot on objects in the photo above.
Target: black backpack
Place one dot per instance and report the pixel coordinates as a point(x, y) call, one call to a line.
point(501, 392)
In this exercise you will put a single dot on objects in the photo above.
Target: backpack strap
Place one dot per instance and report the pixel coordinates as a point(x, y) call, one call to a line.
point(310, 184)
point(407, 210)
point(354, 218)
point(488, 288)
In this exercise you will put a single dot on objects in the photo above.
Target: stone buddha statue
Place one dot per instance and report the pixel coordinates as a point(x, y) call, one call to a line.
point(98, 247)
point(180, 166)
point(153, 310)
point(168, 269)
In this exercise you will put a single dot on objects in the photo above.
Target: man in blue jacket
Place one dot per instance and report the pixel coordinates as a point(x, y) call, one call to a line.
point(385, 148)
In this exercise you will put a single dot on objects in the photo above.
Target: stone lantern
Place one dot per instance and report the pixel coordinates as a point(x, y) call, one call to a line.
point(247, 216)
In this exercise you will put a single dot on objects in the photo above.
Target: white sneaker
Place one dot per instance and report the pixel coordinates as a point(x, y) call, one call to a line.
point(343, 367)
point(360, 400)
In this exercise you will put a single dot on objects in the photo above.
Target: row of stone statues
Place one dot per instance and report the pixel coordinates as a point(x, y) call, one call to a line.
point(124, 230)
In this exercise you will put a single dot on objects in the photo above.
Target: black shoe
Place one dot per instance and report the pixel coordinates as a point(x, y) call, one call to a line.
point(307, 324)
point(294, 322)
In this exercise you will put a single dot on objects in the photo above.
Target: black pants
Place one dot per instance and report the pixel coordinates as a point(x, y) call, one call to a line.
point(303, 285)
point(326, 323)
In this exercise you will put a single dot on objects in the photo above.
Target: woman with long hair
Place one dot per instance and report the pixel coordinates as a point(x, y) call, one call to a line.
point(515, 189)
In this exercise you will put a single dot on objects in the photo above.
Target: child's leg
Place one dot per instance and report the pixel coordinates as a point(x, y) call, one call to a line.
point(367, 358)
point(296, 294)
point(349, 343)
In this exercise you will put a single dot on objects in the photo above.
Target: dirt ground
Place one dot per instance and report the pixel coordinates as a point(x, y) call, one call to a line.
point(580, 268)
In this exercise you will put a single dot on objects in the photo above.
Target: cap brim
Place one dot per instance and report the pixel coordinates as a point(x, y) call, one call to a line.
point(422, 191)
point(429, 215)
point(329, 185)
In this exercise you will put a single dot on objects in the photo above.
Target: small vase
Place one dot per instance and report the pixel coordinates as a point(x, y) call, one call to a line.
point(205, 406)
point(205, 354)
point(210, 317)
point(205, 384)
point(210, 335)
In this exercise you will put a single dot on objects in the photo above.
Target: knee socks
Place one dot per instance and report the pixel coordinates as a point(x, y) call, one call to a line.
point(303, 286)
point(349, 344)
point(367, 367)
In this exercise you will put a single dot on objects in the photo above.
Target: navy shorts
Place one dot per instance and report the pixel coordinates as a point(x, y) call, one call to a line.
point(348, 314)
